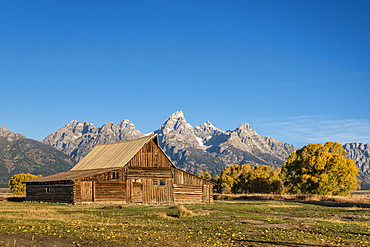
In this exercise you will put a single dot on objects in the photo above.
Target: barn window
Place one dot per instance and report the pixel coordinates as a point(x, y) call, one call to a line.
point(115, 175)
point(162, 182)
point(47, 189)
point(155, 182)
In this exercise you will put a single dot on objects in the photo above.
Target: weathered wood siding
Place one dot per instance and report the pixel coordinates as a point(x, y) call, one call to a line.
point(189, 188)
point(155, 173)
point(185, 178)
point(207, 193)
point(187, 193)
point(50, 192)
point(87, 191)
point(142, 189)
point(110, 191)
point(101, 187)
point(150, 156)
point(149, 164)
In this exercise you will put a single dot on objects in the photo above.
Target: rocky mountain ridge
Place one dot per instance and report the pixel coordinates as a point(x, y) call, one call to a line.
point(78, 138)
point(202, 148)
point(360, 153)
point(19, 154)
point(194, 149)
point(10, 136)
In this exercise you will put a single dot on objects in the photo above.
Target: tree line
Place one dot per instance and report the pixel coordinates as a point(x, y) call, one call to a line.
point(314, 169)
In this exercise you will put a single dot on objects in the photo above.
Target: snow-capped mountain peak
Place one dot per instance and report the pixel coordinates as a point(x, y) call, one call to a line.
point(207, 125)
point(202, 148)
point(177, 115)
point(176, 122)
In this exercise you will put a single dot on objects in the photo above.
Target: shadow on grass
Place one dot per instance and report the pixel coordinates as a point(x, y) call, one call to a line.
point(357, 233)
point(275, 243)
point(336, 204)
point(16, 199)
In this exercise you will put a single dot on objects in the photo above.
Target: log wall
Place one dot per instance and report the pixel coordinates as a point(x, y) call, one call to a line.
point(181, 177)
point(187, 193)
point(109, 191)
point(189, 188)
point(50, 192)
point(207, 193)
point(101, 187)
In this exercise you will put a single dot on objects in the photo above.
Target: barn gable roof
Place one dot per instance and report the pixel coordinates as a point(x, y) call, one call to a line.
point(114, 155)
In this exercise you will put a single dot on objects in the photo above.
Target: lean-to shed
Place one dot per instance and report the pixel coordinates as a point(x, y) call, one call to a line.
point(136, 171)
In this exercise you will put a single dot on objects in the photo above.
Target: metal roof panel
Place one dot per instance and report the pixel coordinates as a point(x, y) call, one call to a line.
point(113, 155)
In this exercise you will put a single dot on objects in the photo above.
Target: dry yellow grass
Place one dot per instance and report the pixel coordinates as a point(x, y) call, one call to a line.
point(158, 215)
point(363, 198)
point(235, 223)
point(39, 212)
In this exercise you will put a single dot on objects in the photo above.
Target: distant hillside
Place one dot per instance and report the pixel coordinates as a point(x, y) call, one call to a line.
point(21, 155)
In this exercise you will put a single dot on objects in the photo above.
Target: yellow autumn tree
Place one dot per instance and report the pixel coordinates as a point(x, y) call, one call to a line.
point(205, 175)
point(16, 185)
point(261, 179)
point(229, 177)
point(320, 169)
point(249, 179)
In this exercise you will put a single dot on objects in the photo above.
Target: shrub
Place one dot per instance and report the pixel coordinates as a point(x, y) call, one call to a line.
point(16, 185)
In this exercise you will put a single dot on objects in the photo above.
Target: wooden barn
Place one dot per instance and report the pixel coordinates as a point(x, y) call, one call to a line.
point(133, 172)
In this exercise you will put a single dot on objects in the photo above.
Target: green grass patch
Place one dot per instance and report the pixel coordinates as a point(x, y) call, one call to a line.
point(250, 223)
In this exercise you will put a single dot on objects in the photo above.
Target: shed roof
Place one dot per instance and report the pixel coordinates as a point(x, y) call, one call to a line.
point(68, 175)
point(114, 155)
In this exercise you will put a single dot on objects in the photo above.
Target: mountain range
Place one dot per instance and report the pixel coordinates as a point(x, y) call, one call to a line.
point(202, 148)
point(194, 149)
point(19, 154)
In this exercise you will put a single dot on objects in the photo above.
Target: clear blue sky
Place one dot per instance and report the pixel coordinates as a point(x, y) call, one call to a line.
point(298, 71)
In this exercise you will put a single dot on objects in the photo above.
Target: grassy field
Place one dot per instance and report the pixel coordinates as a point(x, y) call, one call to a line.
point(224, 223)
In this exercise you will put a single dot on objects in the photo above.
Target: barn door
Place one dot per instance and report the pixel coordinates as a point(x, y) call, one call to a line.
point(86, 191)
point(206, 194)
point(137, 196)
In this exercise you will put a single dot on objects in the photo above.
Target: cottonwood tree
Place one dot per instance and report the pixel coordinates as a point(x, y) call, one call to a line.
point(260, 179)
point(249, 179)
point(320, 169)
point(205, 175)
point(16, 185)
point(229, 177)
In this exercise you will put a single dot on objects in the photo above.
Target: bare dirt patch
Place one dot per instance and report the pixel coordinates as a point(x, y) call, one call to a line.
point(223, 216)
point(113, 207)
point(159, 207)
point(209, 211)
point(250, 221)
